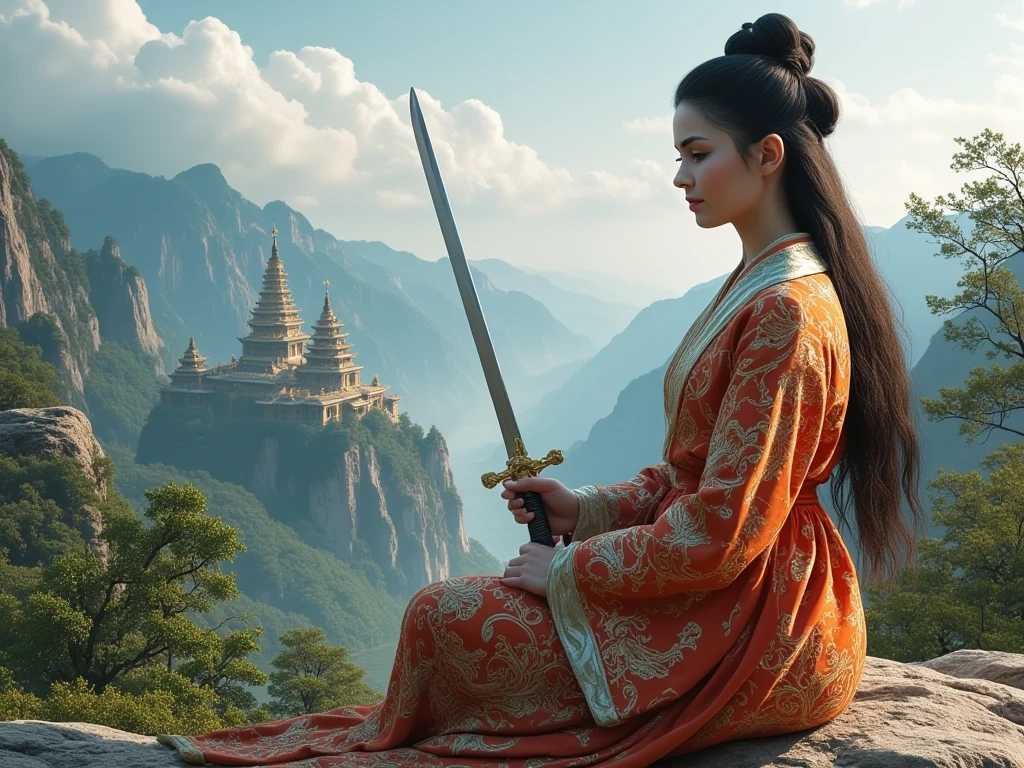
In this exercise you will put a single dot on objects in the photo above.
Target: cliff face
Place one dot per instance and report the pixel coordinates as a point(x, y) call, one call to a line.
point(59, 300)
point(407, 532)
point(119, 297)
point(40, 275)
point(434, 455)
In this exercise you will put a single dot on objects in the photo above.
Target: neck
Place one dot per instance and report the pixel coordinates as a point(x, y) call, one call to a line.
point(764, 226)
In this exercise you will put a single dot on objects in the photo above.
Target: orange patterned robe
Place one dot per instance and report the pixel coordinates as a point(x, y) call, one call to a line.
point(710, 598)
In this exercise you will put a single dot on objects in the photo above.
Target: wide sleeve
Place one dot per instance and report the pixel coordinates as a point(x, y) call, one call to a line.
point(764, 439)
point(606, 508)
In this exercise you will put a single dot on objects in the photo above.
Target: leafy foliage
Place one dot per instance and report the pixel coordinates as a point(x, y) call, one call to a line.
point(44, 507)
point(966, 589)
point(229, 449)
point(991, 295)
point(121, 389)
point(106, 635)
point(26, 381)
point(313, 676)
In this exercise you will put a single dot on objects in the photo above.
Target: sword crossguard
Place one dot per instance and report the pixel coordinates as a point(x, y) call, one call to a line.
point(520, 465)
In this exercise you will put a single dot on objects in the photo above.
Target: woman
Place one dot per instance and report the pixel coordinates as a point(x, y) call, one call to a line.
point(710, 598)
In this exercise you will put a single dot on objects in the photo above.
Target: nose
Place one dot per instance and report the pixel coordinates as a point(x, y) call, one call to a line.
point(682, 180)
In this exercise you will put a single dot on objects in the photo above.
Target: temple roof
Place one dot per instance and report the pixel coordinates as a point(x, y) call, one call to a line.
point(191, 360)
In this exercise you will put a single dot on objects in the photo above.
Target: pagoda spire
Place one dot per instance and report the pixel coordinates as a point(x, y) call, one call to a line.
point(276, 328)
point(191, 360)
point(327, 314)
point(328, 360)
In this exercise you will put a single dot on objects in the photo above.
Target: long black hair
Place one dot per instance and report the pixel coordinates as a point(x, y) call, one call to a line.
point(762, 85)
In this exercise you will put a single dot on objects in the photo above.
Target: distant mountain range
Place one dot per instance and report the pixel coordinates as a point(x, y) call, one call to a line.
point(629, 436)
point(580, 312)
point(202, 247)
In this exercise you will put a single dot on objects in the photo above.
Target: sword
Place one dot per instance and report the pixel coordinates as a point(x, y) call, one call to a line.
point(519, 464)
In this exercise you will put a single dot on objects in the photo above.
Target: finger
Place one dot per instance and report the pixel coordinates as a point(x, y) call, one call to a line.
point(524, 517)
point(516, 561)
point(513, 581)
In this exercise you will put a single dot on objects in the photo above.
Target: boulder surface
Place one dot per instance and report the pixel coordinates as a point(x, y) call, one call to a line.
point(963, 709)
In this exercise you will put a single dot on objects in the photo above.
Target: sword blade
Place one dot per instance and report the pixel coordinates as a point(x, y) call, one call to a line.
point(464, 279)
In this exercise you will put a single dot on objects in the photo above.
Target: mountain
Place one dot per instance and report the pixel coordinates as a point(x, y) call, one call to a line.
point(82, 311)
point(42, 279)
point(605, 287)
point(580, 312)
point(628, 436)
point(202, 247)
point(377, 495)
point(907, 261)
point(566, 415)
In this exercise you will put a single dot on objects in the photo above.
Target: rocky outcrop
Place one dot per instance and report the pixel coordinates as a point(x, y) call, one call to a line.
point(119, 297)
point(999, 667)
point(903, 715)
point(34, 243)
point(436, 461)
point(406, 528)
point(61, 431)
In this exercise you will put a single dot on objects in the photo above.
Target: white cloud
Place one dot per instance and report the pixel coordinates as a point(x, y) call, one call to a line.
point(655, 125)
point(888, 148)
point(303, 127)
point(1007, 21)
point(860, 4)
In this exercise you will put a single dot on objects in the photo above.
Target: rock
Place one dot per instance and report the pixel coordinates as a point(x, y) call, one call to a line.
point(48, 432)
point(904, 715)
point(58, 431)
point(29, 266)
point(36, 744)
point(121, 301)
point(999, 667)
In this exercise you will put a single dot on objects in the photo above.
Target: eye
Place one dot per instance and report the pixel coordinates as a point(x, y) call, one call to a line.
point(697, 156)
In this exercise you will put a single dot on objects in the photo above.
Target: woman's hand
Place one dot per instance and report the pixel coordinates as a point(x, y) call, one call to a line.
point(529, 571)
point(560, 503)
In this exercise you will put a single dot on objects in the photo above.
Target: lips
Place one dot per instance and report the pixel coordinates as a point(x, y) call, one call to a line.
point(694, 202)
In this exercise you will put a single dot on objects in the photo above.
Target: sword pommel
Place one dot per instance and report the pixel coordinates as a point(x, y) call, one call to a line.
point(520, 465)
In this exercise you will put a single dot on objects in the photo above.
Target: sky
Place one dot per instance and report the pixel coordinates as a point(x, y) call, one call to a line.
point(551, 121)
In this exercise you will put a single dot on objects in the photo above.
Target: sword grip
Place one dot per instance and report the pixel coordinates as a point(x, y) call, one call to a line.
point(540, 530)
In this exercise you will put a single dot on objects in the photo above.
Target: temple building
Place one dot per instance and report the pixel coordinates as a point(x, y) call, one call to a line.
point(278, 377)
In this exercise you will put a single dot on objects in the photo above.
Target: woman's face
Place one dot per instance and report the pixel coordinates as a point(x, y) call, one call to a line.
point(719, 186)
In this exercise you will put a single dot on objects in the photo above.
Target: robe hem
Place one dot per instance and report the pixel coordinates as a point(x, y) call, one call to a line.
point(189, 752)
point(578, 638)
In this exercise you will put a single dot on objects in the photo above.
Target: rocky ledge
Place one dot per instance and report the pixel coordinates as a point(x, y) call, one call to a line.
point(962, 709)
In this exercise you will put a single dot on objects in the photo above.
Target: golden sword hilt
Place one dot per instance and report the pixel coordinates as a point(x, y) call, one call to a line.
point(520, 465)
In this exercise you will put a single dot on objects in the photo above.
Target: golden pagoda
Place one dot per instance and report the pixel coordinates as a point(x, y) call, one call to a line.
point(186, 388)
point(273, 380)
point(328, 363)
point(275, 338)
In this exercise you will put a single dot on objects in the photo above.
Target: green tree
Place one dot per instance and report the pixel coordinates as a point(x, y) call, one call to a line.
point(26, 381)
point(983, 225)
point(109, 636)
point(313, 676)
point(966, 590)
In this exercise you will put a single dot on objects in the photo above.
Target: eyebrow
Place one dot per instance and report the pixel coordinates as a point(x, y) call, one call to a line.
point(690, 140)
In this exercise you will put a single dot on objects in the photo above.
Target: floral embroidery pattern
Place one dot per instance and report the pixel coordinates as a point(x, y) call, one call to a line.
point(709, 598)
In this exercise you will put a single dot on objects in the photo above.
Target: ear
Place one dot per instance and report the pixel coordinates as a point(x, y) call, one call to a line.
point(770, 152)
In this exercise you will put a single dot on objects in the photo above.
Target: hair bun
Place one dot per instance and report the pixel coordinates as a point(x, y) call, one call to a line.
point(775, 37)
